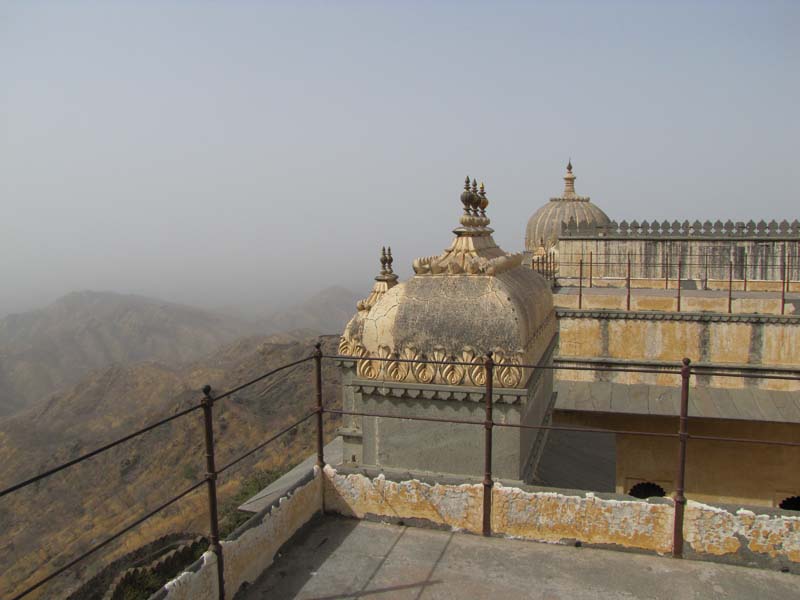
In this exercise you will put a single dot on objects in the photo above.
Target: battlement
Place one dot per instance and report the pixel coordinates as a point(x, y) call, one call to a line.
point(664, 229)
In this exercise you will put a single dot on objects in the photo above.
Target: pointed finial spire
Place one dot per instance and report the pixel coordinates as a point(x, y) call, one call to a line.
point(389, 260)
point(569, 181)
point(475, 198)
point(466, 196)
point(384, 260)
point(484, 200)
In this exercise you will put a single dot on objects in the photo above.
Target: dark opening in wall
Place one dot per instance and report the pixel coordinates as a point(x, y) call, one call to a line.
point(790, 503)
point(647, 490)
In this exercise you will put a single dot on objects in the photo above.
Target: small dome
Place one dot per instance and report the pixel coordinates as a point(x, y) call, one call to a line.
point(544, 226)
point(471, 299)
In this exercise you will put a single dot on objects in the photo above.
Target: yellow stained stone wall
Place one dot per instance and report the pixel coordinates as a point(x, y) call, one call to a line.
point(717, 342)
point(561, 516)
point(641, 299)
point(712, 531)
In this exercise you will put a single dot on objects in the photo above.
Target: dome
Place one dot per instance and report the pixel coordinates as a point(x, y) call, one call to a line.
point(544, 226)
point(471, 299)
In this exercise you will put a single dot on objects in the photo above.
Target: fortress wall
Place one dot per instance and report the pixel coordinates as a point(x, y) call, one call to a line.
point(766, 257)
point(249, 550)
point(738, 536)
point(642, 300)
point(744, 340)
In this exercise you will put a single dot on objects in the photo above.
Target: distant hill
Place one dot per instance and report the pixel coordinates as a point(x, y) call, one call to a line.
point(327, 312)
point(56, 519)
point(46, 350)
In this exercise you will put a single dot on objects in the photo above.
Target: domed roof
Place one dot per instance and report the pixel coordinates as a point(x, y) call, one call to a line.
point(471, 299)
point(544, 226)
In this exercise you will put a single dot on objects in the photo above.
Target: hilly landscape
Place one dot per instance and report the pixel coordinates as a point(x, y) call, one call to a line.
point(51, 349)
point(50, 522)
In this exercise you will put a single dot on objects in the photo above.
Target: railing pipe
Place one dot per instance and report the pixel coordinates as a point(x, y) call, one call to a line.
point(683, 427)
point(783, 288)
point(580, 283)
point(487, 458)
point(744, 273)
point(730, 286)
point(628, 284)
point(211, 480)
point(318, 389)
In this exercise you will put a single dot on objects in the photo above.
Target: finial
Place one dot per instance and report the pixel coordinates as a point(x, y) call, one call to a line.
point(475, 200)
point(569, 182)
point(569, 165)
point(484, 200)
point(384, 260)
point(389, 260)
point(466, 196)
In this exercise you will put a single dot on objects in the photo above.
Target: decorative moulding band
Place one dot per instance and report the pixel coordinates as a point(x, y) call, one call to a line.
point(451, 393)
point(647, 315)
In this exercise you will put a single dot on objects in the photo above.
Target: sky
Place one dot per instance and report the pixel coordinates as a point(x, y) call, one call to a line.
point(249, 154)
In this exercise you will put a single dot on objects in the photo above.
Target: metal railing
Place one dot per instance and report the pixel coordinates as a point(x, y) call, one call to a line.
point(208, 401)
point(554, 269)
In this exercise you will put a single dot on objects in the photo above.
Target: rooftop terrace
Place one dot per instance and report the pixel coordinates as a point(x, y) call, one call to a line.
point(336, 558)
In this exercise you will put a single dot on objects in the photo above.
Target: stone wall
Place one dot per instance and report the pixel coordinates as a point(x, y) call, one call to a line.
point(563, 516)
point(249, 550)
point(738, 340)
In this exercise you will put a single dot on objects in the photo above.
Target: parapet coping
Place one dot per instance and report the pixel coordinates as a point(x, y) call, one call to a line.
point(458, 393)
point(657, 315)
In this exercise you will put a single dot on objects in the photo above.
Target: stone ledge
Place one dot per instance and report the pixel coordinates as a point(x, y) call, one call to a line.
point(653, 315)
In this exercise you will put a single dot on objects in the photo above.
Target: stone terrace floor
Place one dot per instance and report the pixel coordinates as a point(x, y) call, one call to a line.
point(337, 559)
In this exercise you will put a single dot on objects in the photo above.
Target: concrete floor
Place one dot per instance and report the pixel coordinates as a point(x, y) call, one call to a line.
point(338, 559)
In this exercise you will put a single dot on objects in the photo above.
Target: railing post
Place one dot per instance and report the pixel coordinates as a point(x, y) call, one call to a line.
point(666, 273)
point(318, 386)
point(680, 499)
point(783, 286)
point(580, 283)
point(680, 268)
point(730, 286)
point(744, 273)
point(211, 480)
point(628, 283)
point(591, 262)
point(705, 262)
point(487, 458)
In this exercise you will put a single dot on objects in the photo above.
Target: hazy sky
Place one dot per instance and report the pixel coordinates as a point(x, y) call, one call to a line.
point(224, 153)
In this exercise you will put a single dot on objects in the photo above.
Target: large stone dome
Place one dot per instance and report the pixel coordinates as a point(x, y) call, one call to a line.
point(544, 226)
point(471, 299)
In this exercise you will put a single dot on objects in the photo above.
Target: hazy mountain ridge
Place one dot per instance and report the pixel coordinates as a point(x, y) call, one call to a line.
point(50, 349)
point(53, 521)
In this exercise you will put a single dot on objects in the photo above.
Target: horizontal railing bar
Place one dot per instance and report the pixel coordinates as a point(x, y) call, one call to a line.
point(433, 419)
point(564, 428)
point(714, 438)
point(267, 442)
point(95, 452)
point(261, 377)
point(110, 539)
point(500, 365)
point(496, 424)
point(702, 370)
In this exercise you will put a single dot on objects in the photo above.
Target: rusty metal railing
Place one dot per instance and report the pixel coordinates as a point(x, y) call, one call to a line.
point(684, 370)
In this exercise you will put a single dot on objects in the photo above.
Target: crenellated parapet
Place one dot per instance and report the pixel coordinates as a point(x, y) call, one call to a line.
point(677, 229)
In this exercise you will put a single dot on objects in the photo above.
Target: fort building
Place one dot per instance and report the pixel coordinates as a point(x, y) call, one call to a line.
point(649, 294)
point(471, 299)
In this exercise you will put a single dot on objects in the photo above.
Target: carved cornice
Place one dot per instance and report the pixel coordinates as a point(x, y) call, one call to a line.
point(390, 366)
point(475, 394)
point(646, 315)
